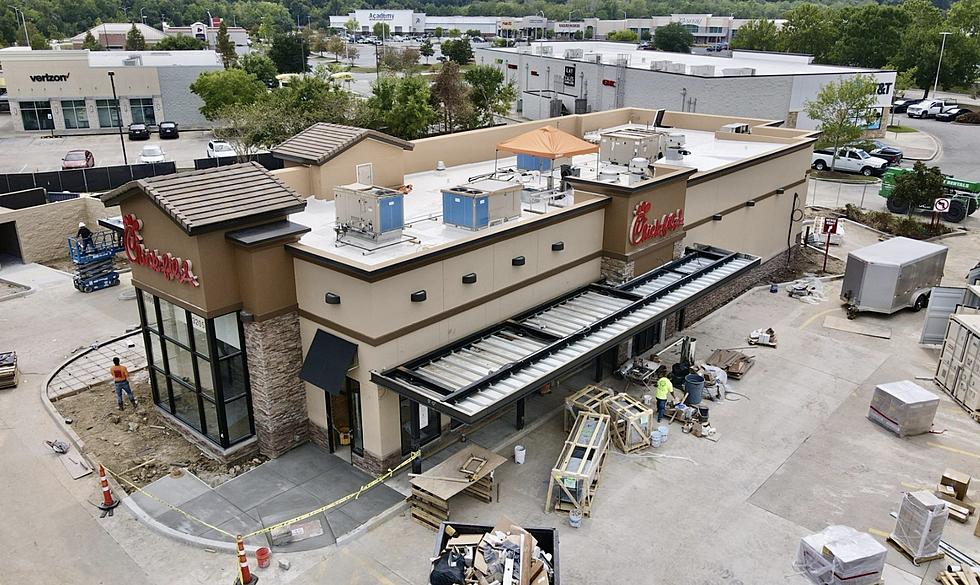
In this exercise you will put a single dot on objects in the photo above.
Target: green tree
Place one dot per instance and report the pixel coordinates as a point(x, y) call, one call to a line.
point(626, 36)
point(244, 126)
point(438, 32)
point(452, 96)
point(473, 33)
point(454, 33)
point(757, 35)
point(458, 50)
point(673, 37)
point(426, 50)
point(337, 46)
point(381, 30)
point(402, 106)
point(289, 53)
point(965, 15)
point(921, 43)
point(867, 35)
point(225, 46)
point(38, 40)
point(809, 28)
point(490, 94)
point(91, 44)
point(917, 188)
point(135, 41)
point(218, 89)
point(180, 43)
point(351, 26)
point(843, 109)
point(400, 60)
point(261, 66)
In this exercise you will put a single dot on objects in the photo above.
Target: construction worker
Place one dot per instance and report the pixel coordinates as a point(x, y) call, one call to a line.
point(664, 389)
point(120, 375)
point(84, 236)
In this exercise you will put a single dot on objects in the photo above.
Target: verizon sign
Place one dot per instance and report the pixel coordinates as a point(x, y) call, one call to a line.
point(171, 267)
point(642, 228)
point(48, 77)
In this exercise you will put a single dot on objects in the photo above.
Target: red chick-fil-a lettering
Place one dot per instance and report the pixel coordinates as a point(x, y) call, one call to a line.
point(170, 266)
point(642, 230)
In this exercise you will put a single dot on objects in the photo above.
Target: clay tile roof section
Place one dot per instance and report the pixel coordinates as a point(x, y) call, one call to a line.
point(213, 199)
point(321, 142)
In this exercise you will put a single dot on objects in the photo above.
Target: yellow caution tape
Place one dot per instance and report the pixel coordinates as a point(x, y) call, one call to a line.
point(352, 496)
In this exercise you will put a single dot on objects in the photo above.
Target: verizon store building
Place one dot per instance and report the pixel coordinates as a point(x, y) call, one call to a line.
point(376, 295)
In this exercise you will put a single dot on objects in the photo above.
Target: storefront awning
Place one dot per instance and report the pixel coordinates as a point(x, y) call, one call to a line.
point(490, 370)
point(327, 362)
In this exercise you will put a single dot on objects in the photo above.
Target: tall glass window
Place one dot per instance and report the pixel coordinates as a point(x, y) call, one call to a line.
point(75, 114)
point(36, 115)
point(142, 110)
point(198, 369)
point(108, 113)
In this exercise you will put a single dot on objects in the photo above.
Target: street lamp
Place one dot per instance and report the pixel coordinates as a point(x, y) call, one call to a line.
point(115, 98)
point(142, 18)
point(23, 17)
point(942, 49)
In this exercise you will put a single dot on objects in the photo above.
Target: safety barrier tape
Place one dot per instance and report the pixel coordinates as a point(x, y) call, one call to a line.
point(351, 496)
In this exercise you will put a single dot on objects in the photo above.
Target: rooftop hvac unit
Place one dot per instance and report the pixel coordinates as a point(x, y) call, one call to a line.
point(738, 72)
point(676, 139)
point(660, 65)
point(545, 50)
point(372, 213)
point(480, 204)
point(622, 60)
point(593, 57)
point(132, 61)
point(574, 53)
point(622, 146)
point(735, 128)
point(703, 70)
point(676, 68)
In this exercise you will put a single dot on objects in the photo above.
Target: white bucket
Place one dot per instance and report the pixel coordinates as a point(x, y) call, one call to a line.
point(656, 439)
point(519, 452)
point(575, 518)
point(647, 399)
point(664, 431)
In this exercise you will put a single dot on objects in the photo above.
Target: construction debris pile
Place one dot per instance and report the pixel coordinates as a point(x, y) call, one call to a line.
point(506, 554)
point(840, 555)
point(8, 369)
point(953, 487)
point(733, 362)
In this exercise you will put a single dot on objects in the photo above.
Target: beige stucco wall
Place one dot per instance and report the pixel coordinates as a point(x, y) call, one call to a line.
point(297, 176)
point(387, 161)
point(761, 230)
point(43, 231)
point(91, 81)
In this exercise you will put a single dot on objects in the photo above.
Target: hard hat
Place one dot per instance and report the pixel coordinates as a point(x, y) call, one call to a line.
point(81, 224)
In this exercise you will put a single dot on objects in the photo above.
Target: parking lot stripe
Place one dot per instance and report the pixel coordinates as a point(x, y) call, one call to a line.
point(955, 450)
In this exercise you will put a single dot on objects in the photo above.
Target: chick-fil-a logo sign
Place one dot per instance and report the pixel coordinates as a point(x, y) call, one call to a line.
point(641, 229)
point(171, 267)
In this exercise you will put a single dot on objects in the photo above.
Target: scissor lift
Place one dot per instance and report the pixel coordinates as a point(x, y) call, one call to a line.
point(93, 260)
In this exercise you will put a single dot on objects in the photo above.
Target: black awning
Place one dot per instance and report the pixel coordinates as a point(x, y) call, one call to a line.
point(327, 362)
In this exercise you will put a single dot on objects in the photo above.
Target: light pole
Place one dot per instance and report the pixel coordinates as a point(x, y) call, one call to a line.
point(942, 49)
point(23, 17)
point(142, 18)
point(115, 98)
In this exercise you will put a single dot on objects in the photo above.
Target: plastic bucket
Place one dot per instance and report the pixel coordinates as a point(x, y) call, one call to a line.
point(703, 412)
point(647, 399)
point(694, 386)
point(575, 518)
point(519, 452)
point(664, 431)
point(656, 439)
point(262, 556)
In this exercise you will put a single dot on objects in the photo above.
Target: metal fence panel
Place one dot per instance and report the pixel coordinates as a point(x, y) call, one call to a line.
point(50, 180)
point(142, 171)
point(97, 179)
point(20, 181)
point(73, 180)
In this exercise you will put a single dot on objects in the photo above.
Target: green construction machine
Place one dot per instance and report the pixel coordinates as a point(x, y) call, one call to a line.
point(964, 195)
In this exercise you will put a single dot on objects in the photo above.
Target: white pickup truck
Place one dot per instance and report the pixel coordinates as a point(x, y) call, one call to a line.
point(929, 108)
point(849, 160)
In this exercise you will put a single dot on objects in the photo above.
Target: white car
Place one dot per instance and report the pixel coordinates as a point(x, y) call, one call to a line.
point(929, 108)
point(220, 149)
point(152, 153)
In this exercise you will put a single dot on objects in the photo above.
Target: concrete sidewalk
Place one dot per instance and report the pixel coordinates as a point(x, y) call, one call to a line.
point(917, 145)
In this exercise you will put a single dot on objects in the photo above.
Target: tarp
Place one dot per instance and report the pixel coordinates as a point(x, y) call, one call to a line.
point(548, 142)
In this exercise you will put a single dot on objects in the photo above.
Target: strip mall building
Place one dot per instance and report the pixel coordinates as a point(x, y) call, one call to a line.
point(395, 292)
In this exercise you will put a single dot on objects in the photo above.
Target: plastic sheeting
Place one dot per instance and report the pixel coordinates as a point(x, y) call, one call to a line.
point(903, 407)
point(840, 555)
point(920, 523)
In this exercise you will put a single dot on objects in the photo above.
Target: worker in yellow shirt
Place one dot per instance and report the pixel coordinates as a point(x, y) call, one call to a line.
point(120, 375)
point(664, 389)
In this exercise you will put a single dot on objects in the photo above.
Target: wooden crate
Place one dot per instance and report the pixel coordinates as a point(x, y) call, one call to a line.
point(577, 471)
point(588, 399)
point(427, 508)
point(630, 422)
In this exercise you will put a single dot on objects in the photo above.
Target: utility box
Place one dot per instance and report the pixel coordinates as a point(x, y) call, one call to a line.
point(736, 128)
point(958, 372)
point(621, 146)
point(482, 203)
point(891, 275)
point(372, 213)
point(904, 408)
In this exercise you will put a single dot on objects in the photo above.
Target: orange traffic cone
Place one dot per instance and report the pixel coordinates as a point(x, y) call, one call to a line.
point(107, 502)
point(244, 574)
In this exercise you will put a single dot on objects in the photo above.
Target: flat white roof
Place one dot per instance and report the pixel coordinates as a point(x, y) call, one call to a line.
point(154, 58)
point(763, 63)
point(423, 206)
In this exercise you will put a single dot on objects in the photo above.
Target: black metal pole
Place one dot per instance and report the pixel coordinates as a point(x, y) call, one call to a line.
point(115, 98)
point(520, 414)
point(416, 430)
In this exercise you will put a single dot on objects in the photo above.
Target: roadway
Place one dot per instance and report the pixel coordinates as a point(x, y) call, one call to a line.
point(958, 145)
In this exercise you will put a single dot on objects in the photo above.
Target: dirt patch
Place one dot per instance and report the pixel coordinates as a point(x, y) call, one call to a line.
point(804, 261)
point(138, 443)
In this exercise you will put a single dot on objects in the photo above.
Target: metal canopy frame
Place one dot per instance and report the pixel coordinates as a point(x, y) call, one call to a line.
point(443, 378)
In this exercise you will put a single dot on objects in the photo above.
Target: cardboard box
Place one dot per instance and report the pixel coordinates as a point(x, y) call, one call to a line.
point(959, 481)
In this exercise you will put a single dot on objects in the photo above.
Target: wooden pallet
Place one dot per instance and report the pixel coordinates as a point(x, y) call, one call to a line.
point(427, 508)
point(481, 490)
point(915, 560)
point(964, 577)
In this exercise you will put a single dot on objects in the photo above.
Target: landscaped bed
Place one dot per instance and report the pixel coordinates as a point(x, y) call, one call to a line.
point(896, 225)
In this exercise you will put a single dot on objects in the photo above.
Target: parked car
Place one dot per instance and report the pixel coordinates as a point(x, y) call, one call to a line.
point(952, 114)
point(169, 130)
point(152, 153)
point(849, 160)
point(890, 153)
point(77, 159)
point(717, 47)
point(139, 132)
point(901, 105)
point(220, 149)
point(929, 108)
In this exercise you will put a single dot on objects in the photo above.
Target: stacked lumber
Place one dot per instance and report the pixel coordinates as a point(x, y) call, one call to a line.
point(8, 369)
point(469, 471)
point(734, 362)
point(953, 487)
point(963, 576)
point(428, 509)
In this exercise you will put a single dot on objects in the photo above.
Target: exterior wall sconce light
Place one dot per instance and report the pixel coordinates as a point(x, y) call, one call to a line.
point(518, 261)
point(331, 298)
point(469, 278)
point(750, 203)
point(780, 191)
point(558, 246)
point(418, 296)
point(716, 217)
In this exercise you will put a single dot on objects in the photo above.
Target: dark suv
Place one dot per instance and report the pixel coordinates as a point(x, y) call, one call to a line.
point(169, 130)
point(139, 132)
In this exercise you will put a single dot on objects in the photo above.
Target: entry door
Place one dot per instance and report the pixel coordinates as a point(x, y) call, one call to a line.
point(430, 424)
point(942, 304)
